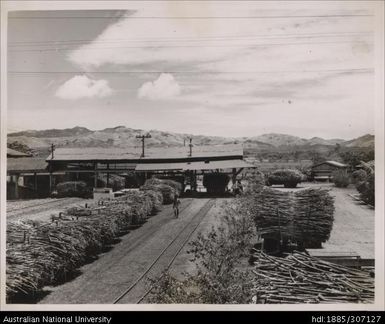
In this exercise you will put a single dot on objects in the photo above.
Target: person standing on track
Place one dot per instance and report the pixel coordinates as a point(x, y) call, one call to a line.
point(175, 206)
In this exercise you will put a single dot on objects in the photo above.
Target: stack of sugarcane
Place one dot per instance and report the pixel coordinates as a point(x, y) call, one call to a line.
point(300, 278)
point(313, 218)
point(41, 254)
point(49, 252)
point(168, 188)
point(156, 198)
point(305, 216)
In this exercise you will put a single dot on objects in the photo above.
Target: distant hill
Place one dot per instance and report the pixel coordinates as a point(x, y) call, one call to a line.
point(365, 141)
point(122, 136)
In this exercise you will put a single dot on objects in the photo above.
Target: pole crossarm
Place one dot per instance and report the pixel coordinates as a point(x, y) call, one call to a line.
point(143, 137)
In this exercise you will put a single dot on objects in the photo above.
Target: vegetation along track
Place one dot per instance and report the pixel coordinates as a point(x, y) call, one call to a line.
point(141, 287)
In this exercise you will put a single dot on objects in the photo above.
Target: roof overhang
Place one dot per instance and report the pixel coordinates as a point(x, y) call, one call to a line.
point(192, 166)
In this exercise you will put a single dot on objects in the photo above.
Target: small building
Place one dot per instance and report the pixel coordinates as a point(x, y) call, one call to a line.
point(324, 171)
point(29, 177)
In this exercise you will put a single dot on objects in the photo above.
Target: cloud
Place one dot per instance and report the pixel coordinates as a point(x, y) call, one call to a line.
point(80, 86)
point(165, 87)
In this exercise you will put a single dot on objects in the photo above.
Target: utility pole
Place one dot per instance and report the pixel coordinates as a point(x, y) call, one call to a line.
point(50, 169)
point(53, 147)
point(143, 137)
point(190, 145)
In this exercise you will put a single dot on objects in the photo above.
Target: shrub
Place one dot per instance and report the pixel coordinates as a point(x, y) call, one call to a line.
point(219, 279)
point(288, 177)
point(341, 178)
point(359, 176)
point(73, 189)
point(367, 189)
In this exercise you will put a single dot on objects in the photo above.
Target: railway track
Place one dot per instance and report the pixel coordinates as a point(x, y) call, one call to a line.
point(40, 207)
point(141, 287)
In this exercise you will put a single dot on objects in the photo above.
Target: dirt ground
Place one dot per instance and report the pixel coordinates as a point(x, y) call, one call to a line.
point(41, 209)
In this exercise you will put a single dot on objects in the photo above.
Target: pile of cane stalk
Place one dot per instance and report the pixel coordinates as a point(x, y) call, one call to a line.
point(40, 254)
point(303, 216)
point(300, 278)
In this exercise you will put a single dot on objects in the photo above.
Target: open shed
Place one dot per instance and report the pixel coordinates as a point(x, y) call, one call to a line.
point(324, 171)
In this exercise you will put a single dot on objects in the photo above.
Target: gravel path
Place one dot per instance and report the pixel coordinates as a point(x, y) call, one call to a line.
point(353, 228)
point(109, 276)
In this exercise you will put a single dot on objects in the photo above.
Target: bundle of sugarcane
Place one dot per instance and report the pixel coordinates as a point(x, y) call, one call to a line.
point(49, 252)
point(273, 210)
point(177, 186)
point(305, 216)
point(156, 198)
point(314, 210)
point(167, 192)
point(300, 278)
point(140, 203)
point(79, 211)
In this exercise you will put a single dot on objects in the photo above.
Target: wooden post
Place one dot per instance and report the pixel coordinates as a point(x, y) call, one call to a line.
point(16, 186)
point(143, 137)
point(35, 184)
point(108, 175)
point(234, 175)
point(50, 179)
point(95, 176)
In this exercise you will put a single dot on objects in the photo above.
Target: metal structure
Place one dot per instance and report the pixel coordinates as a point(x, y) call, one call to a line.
point(143, 137)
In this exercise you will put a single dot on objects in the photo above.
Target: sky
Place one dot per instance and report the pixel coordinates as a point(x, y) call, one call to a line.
point(214, 68)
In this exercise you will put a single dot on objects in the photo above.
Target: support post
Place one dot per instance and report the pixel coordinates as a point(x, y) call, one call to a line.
point(16, 186)
point(234, 178)
point(50, 179)
point(108, 175)
point(35, 184)
point(95, 176)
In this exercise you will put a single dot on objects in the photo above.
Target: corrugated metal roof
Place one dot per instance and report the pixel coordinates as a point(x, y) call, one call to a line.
point(189, 166)
point(26, 164)
point(95, 154)
point(213, 165)
point(159, 166)
point(337, 164)
point(14, 153)
point(333, 163)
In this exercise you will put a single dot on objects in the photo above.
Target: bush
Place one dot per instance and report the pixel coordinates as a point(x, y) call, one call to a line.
point(367, 189)
point(359, 176)
point(216, 182)
point(288, 177)
point(341, 178)
point(219, 278)
point(73, 189)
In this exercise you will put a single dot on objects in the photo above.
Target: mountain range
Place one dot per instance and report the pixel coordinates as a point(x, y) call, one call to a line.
point(122, 136)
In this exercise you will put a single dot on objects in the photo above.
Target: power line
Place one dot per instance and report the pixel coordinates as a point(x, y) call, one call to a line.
point(186, 46)
point(201, 38)
point(196, 17)
point(192, 72)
